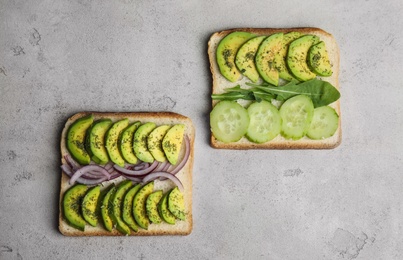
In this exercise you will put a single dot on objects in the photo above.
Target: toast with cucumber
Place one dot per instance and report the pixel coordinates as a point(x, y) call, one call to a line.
point(126, 174)
point(274, 88)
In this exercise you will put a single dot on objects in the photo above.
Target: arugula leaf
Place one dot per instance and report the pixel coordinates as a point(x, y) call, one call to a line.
point(232, 96)
point(237, 92)
point(261, 95)
point(321, 92)
point(234, 93)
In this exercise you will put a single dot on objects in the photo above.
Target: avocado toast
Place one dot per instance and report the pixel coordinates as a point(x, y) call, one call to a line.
point(112, 209)
point(257, 67)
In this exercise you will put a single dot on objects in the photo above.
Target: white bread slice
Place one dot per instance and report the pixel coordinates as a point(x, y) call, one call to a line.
point(185, 175)
point(219, 85)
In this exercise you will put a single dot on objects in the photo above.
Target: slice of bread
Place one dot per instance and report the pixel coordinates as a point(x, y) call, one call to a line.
point(185, 176)
point(219, 85)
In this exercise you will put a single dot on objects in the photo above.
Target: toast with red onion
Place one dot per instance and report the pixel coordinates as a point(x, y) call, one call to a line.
point(183, 176)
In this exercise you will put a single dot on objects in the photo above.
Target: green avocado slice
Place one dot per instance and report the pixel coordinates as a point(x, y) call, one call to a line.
point(111, 142)
point(176, 203)
point(96, 141)
point(126, 143)
point(245, 58)
point(297, 57)
point(117, 206)
point(154, 142)
point(72, 201)
point(140, 142)
point(76, 136)
point(280, 58)
point(265, 55)
point(127, 210)
point(226, 51)
point(152, 206)
point(164, 212)
point(139, 205)
point(89, 205)
point(318, 60)
point(172, 143)
point(107, 208)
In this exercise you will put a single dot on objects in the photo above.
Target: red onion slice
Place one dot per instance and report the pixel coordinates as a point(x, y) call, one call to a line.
point(88, 168)
point(180, 165)
point(114, 175)
point(132, 178)
point(108, 166)
point(66, 169)
point(138, 172)
point(166, 167)
point(161, 165)
point(140, 166)
point(91, 181)
point(73, 164)
point(155, 175)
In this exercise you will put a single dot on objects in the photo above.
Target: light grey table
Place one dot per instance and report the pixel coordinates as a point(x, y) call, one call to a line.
point(61, 57)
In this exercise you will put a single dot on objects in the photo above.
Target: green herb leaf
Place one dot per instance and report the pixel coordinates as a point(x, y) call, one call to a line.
point(233, 96)
point(321, 92)
point(261, 95)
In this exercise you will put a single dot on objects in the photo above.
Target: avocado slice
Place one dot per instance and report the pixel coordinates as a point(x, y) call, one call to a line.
point(245, 58)
point(176, 203)
point(72, 201)
point(280, 58)
point(297, 56)
point(172, 143)
point(111, 141)
point(96, 141)
point(76, 136)
point(117, 206)
point(107, 208)
point(152, 206)
point(89, 205)
point(266, 52)
point(164, 212)
point(318, 60)
point(126, 143)
point(226, 51)
point(140, 142)
point(139, 205)
point(127, 210)
point(154, 142)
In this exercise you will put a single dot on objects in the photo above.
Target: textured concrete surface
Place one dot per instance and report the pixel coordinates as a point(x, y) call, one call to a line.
point(61, 57)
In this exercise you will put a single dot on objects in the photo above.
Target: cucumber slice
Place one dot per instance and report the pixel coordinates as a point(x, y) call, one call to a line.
point(324, 123)
point(265, 122)
point(296, 113)
point(229, 121)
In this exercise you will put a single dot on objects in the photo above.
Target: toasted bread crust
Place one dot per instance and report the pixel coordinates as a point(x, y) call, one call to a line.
point(185, 175)
point(220, 83)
